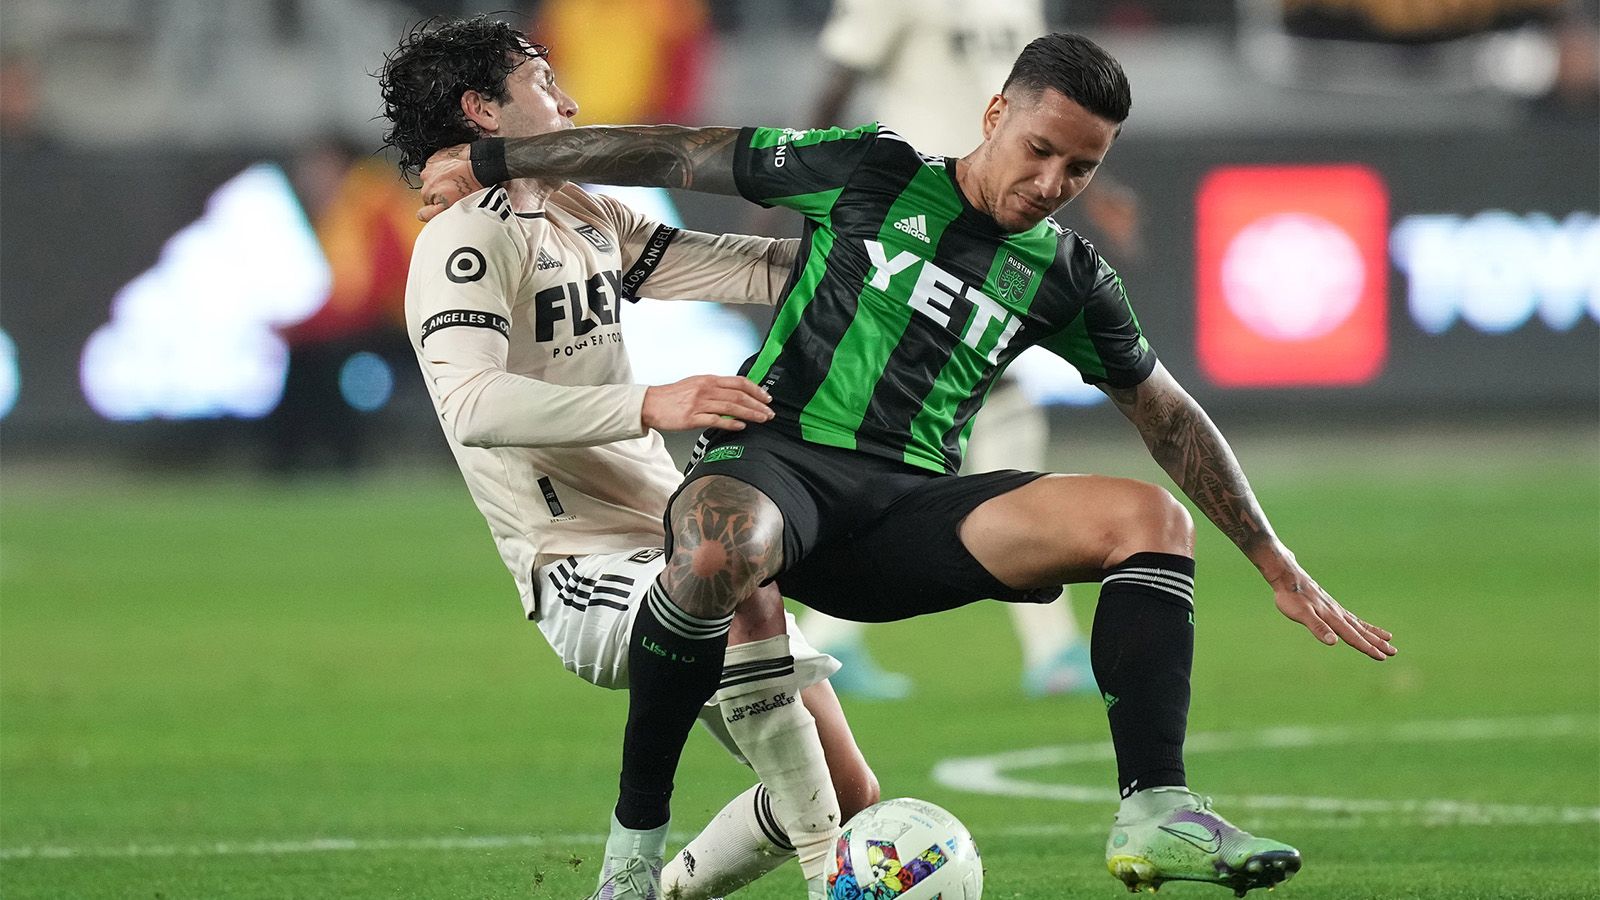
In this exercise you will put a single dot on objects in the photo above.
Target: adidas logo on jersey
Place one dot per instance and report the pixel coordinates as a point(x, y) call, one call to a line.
point(916, 226)
point(546, 261)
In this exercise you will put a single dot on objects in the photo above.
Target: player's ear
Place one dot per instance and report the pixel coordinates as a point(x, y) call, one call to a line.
point(481, 111)
point(991, 115)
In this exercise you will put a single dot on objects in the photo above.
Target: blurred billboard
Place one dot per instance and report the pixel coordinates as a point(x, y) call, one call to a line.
point(1339, 210)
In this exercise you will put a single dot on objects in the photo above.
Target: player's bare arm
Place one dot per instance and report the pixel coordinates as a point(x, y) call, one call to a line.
point(1188, 445)
point(673, 156)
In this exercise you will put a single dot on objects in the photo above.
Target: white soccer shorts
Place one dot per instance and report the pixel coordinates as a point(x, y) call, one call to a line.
point(586, 608)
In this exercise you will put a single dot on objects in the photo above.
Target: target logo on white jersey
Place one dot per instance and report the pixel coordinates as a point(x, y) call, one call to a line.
point(465, 265)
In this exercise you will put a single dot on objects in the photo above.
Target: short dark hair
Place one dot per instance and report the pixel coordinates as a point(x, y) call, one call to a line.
point(423, 79)
point(1079, 69)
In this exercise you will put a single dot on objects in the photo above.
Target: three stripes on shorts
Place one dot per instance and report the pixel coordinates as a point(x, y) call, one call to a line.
point(580, 591)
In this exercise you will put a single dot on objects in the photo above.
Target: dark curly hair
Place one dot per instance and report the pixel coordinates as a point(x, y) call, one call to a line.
point(423, 79)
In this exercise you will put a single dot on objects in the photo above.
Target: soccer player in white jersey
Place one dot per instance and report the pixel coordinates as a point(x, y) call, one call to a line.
point(514, 304)
point(929, 65)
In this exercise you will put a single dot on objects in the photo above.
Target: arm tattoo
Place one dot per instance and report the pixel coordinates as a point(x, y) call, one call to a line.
point(727, 538)
point(696, 159)
point(1185, 442)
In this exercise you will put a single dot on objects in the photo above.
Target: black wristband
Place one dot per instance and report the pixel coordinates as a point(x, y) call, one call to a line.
point(489, 161)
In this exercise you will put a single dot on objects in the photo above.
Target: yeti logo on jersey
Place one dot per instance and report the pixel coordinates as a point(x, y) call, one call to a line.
point(472, 318)
point(464, 266)
point(600, 241)
point(961, 309)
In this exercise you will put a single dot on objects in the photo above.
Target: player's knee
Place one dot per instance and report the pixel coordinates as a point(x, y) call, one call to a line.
point(1171, 525)
point(727, 538)
point(1147, 519)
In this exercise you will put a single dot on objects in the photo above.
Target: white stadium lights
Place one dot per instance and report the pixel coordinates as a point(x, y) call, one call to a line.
point(195, 335)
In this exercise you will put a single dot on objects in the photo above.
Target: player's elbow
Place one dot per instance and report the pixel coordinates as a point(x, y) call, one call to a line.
point(470, 432)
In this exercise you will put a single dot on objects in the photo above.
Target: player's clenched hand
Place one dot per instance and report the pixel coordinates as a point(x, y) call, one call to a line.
point(446, 178)
point(703, 401)
point(1304, 601)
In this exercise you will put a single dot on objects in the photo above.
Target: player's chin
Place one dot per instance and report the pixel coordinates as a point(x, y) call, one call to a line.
point(1022, 219)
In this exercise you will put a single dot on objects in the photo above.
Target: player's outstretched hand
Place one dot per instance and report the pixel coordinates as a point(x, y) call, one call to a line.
point(446, 178)
point(701, 401)
point(1304, 601)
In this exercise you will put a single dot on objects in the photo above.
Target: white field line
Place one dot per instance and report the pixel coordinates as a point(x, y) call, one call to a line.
point(288, 847)
point(984, 775)
point(1054, 831)
point(991, 774)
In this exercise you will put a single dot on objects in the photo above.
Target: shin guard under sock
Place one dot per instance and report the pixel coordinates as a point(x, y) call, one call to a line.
point(674, 666)
point(1142, 649)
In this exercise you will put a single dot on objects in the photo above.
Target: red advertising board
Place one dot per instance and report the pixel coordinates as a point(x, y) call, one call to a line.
point(1292, 275)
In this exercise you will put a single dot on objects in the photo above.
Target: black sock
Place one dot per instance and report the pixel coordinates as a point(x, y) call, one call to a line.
point(1142, 650)
point(674, 666)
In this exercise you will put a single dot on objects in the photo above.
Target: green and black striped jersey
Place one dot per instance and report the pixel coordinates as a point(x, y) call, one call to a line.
point(906, 303)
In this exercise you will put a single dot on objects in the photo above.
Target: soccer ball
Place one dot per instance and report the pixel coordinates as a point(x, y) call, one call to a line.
point(905, 849)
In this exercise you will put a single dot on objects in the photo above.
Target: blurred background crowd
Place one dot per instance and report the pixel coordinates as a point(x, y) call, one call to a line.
point(1357, 210)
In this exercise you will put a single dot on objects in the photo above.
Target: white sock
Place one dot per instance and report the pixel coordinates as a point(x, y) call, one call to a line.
point(824, 631)
point(1043, 630)
point(734, 849)
point(760, 703)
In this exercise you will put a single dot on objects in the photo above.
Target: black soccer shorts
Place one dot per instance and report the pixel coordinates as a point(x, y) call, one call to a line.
point(865, 538)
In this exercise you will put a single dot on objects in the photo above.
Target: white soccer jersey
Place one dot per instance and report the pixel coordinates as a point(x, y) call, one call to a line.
point(936, 63)
point(516, 322)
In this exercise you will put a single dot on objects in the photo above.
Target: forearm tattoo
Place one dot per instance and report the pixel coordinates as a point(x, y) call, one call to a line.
point(673, 156)
point(727, 539)
point(1185, 442)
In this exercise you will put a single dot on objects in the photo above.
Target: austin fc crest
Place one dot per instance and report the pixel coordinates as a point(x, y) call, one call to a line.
point(1014, 280)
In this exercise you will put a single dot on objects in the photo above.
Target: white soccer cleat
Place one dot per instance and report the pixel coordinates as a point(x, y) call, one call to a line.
point(629, 878)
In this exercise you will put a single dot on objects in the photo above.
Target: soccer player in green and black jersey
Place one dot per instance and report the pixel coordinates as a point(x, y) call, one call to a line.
point(919, 279)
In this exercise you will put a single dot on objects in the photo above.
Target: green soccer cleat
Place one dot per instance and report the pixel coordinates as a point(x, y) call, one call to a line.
point(1186, 841)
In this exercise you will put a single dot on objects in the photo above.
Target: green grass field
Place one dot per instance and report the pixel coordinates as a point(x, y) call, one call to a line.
point(230, 687)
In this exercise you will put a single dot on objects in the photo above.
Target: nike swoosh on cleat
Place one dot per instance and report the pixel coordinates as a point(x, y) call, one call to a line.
point(1212, 843)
